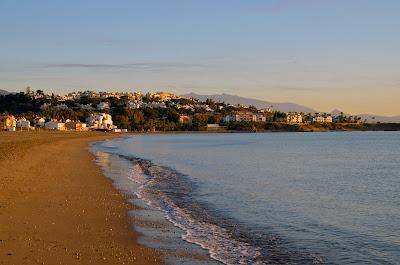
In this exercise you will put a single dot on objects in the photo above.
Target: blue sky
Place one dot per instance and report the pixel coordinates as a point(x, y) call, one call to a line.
point(325, 54)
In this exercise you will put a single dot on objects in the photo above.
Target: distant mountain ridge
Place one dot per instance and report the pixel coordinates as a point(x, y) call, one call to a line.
point(232, 99)
point(286, 106)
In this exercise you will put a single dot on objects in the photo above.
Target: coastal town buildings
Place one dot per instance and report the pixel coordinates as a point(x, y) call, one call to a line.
point(154, 111)
point(294, 117)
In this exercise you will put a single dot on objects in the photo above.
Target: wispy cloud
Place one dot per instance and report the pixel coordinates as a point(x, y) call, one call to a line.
point(134, 66)
point(287, 88)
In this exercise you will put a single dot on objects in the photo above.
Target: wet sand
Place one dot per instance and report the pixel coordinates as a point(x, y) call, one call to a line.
point(56, 207)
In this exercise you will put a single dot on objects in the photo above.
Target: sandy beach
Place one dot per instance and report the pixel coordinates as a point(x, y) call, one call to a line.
point(56, 207)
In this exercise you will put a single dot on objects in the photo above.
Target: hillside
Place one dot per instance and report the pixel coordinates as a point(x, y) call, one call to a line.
point(232, 99)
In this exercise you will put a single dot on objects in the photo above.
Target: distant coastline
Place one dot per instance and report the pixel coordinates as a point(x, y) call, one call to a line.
point(287, 127)
point(321, 127)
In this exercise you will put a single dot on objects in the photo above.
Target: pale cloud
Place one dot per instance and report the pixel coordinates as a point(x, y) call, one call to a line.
point(135, 66)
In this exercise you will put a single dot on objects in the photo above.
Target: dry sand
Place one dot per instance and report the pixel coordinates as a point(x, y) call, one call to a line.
point(57, 208)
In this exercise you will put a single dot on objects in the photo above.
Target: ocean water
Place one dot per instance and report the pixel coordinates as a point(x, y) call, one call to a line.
point(273, 198)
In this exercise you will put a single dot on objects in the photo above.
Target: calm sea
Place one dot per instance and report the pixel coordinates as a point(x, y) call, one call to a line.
point(273, 198)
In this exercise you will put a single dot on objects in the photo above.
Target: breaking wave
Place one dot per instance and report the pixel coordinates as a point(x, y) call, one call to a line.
point(170, 192)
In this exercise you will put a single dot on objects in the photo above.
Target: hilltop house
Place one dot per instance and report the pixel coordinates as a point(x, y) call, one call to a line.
point(55, 125)
point(294, 117)
point(7, 122)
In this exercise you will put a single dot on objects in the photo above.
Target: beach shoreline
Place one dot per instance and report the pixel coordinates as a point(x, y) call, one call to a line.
point(56, 206)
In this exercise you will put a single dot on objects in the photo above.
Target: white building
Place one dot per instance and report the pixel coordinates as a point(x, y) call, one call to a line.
point(293, 117)
point(23, 124)
point(55, 125)
point(100, 121)
point(103, 105)
point(245, 116)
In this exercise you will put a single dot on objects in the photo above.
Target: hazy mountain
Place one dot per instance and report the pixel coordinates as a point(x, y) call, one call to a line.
point(231, 99)
point(285, 106)
point(370, 117)
point(3, 92)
